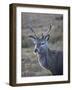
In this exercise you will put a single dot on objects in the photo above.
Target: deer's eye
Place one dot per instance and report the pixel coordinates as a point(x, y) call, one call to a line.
point(42, 43)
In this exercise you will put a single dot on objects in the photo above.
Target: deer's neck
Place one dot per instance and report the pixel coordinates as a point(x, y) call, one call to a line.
point(44, 59)
point(49, 60)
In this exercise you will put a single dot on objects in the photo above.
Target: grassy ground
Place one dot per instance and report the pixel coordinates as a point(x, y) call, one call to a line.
point(40, 24)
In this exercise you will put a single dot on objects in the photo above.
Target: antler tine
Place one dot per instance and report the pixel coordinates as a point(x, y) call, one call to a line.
point(50, 27)
point(42, 35)
point(30, 25)
point(33, 31)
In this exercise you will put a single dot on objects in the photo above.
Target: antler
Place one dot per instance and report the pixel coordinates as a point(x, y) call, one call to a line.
point(33, 31)
point(42, 36)
point(30, 25)
point(50, 27)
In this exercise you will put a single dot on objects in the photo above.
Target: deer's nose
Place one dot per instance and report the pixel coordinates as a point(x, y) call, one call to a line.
point(36, 50)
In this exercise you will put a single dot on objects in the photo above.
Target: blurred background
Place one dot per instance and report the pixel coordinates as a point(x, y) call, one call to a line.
point(40, 24)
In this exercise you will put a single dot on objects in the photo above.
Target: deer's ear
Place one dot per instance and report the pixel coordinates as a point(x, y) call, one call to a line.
point(32, 38)
point(47, 37)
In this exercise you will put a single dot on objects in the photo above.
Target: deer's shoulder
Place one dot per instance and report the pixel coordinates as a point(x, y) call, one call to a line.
point(54, 54)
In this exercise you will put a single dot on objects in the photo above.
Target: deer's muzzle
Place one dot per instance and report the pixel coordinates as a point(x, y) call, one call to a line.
point(36, 50)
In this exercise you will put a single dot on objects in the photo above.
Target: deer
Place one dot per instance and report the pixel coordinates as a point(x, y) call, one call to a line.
point(48, 59)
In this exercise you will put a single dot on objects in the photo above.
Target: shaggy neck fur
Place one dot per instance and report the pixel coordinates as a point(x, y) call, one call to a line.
point(49, 60)
point(44, 59)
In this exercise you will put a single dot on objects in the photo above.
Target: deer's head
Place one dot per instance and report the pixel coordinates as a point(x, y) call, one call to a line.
point(41, 43)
